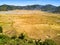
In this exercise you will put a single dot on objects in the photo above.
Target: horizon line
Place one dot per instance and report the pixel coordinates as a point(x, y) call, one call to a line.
point(28, 4)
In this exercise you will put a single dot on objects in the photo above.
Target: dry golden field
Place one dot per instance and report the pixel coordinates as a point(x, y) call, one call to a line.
point(36, 24)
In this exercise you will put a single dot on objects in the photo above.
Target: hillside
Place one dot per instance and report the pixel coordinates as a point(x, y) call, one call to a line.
point(36, 24)
point(47, 8)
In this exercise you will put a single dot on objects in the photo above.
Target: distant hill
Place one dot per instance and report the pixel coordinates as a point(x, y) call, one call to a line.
point(48, 8)
point(57, 9)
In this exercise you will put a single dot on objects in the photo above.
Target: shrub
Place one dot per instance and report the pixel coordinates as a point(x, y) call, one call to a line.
point(4, 39)
point(3, 36)
point(22, 36)
point(30, 41)
point(14, 37)
point(1, 30)
point(49, 42)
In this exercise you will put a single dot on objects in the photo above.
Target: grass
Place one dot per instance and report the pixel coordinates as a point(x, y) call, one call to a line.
point(36, 25)
point(6, 40)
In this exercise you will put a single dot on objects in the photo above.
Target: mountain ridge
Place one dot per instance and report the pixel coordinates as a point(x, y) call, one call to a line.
point(47, 8)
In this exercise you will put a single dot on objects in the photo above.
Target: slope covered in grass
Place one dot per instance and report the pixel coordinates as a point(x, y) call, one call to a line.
point(36, 24)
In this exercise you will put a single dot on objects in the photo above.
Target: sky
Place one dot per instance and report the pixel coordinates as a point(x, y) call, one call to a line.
point(30, 2)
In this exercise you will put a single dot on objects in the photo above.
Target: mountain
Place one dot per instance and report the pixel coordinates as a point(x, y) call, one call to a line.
point(33, 7)
point(47, 8)
point(5, 7)
point(57, 10)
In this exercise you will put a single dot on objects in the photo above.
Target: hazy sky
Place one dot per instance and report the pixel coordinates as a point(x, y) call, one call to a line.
point(30, 2)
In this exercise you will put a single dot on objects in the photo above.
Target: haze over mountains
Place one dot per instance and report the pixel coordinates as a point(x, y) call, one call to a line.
point(48, 8)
